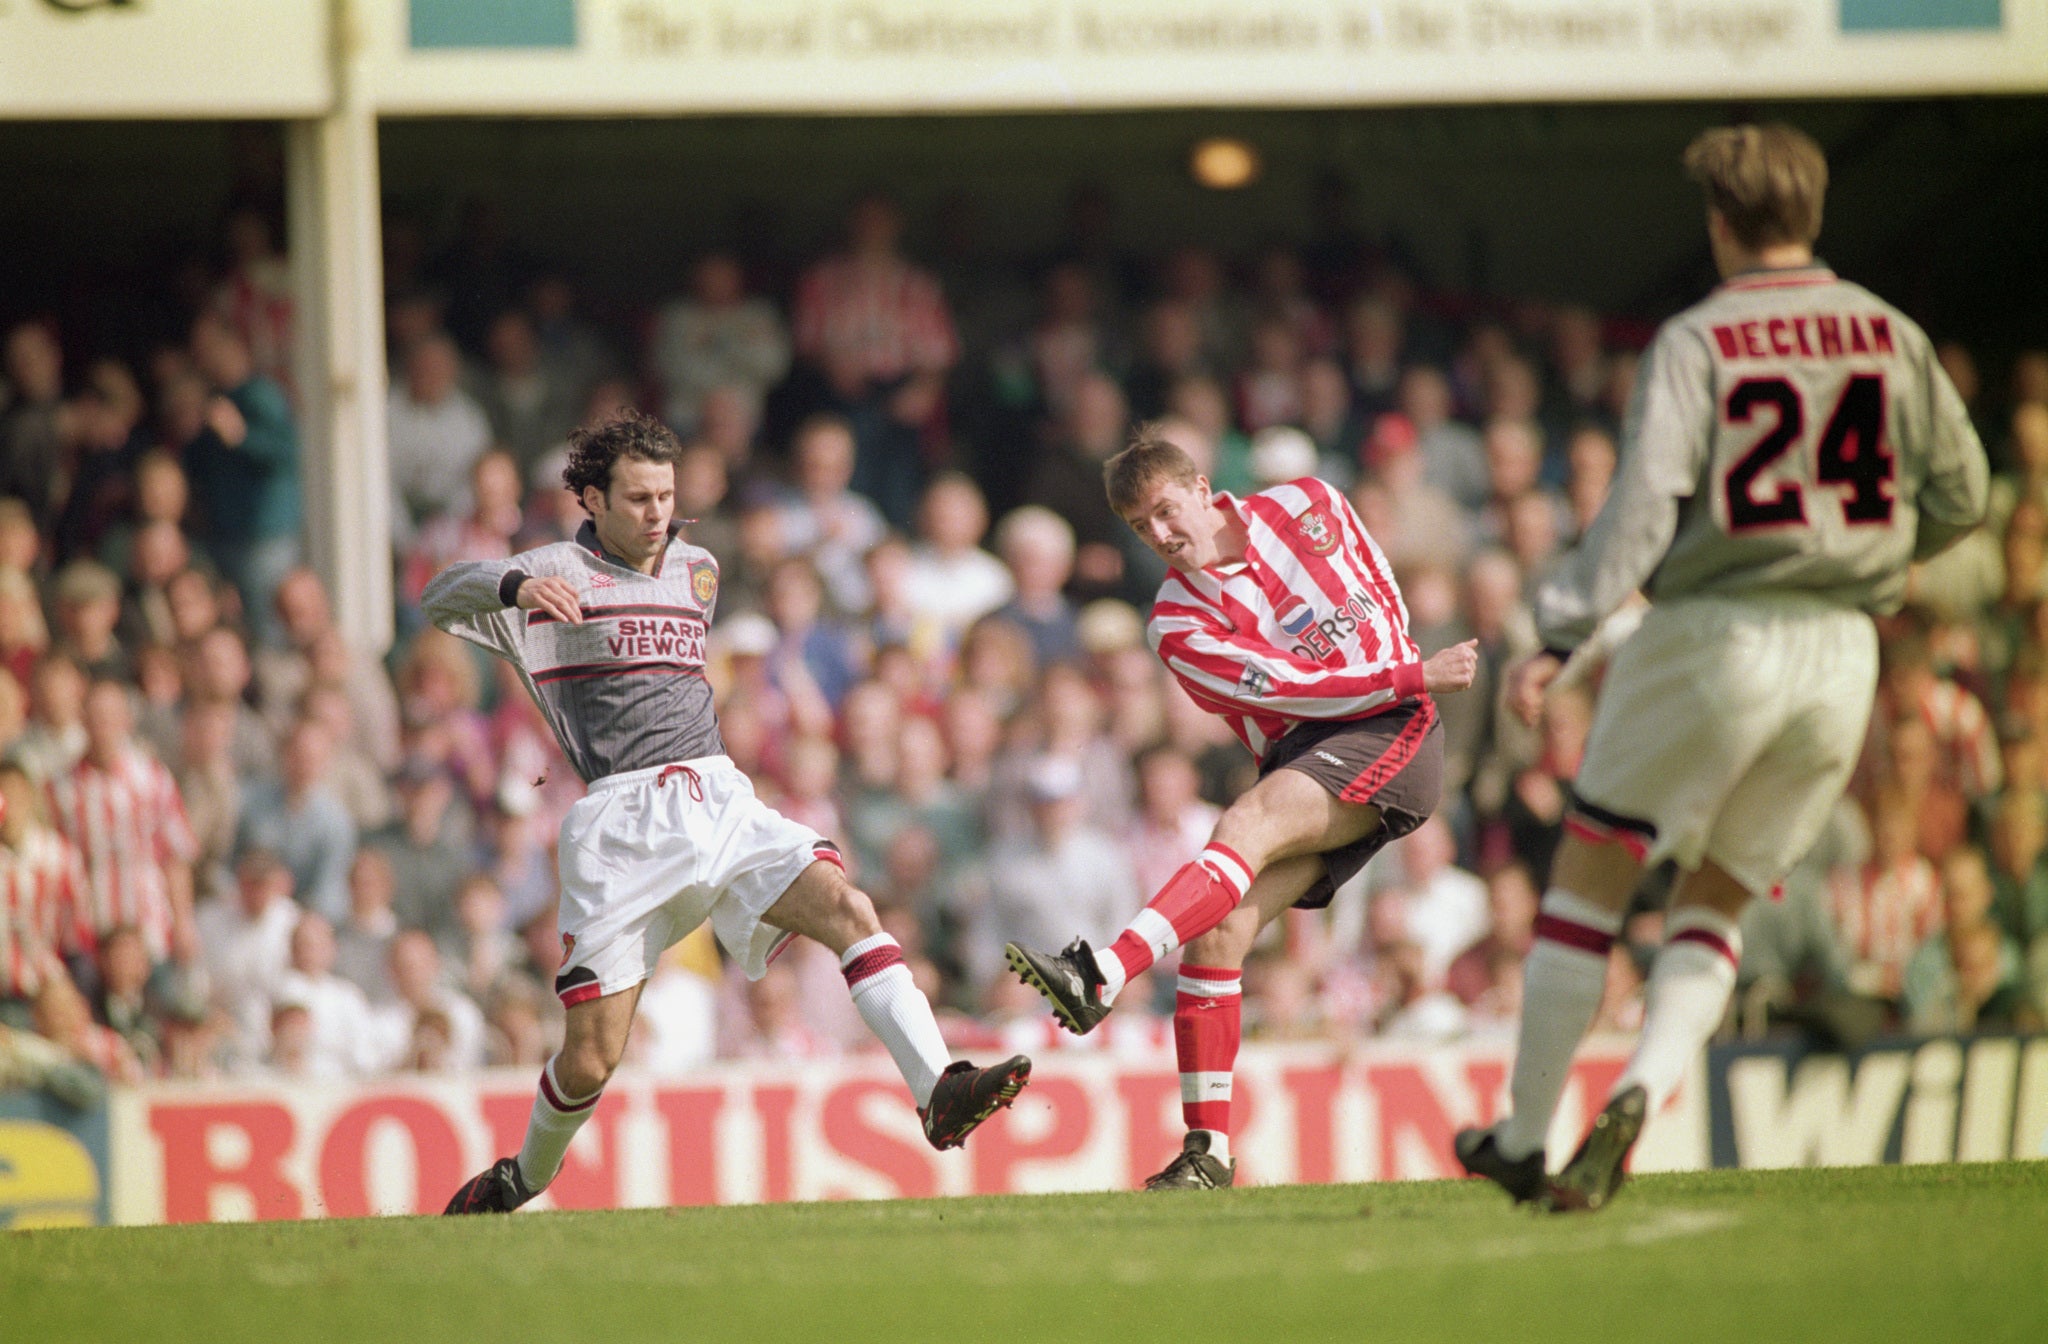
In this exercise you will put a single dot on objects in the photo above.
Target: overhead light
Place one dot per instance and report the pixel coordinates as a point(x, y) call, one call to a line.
point(1224, 163)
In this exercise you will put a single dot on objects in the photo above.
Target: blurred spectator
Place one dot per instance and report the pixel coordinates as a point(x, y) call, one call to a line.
point(678, 1018)
point(336, 1011)
point(814, 655)
point(717, 336)
point(1064, 876)
point(211, 793)
point(952, 581)
point(1890, 905)
point(1172, 823)
point(245, 472)
point(1443, 909)
point(1453, 460)
point(425, 1023)
point(296, 815)
point(254, 298)
point(877, 331)
point(1970, 976)
point(530, 403)
point(769, 1024)
point(44, 912)
point(821, 517)
point(362, 943)
point(88, 600)
point(2019, 858)
point(1037, 545)
point(1374, 339)
point(427, 847)
point(484, 531)
point(35, 425)
point(283, 675)
point(127, 1001)
point(55, 738)
point(120, 809)
point(1333, 421)
point(437, 431)
point(1480, 975)
point(246, 944)
point(24, 635)
point(1170, 349)
point(483, 951)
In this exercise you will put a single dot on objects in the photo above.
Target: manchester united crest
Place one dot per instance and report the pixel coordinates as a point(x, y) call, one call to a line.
point(704, 583)
point(1316, 531)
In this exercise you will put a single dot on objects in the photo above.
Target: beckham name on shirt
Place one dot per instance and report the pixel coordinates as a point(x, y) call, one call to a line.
point(1826, 336)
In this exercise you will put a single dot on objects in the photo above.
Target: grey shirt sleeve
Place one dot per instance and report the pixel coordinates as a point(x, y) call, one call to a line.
point(1953, 499)
point(1665, 447)
point(468, 600)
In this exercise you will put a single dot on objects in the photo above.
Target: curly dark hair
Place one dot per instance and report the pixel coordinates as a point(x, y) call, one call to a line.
point(625, 433)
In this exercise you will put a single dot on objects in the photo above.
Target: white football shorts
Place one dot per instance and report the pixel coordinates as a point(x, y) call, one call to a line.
point(1731, 726)
point(648, 855)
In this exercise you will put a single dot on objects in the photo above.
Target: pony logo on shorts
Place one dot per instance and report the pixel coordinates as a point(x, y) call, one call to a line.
point(703, 582)
point(1315, 529)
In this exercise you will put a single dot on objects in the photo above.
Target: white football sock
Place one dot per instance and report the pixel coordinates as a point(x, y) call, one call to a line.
point(1685, 1000)
point(1562, 980)
point(897, 1012)
point(556, 1118)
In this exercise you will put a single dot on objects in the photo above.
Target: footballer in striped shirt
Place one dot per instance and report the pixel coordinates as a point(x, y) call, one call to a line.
point(1280, 616)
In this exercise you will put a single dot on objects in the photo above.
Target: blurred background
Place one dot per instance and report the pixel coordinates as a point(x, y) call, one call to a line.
point(301, 299)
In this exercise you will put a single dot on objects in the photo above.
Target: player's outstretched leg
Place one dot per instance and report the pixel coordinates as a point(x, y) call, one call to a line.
point(1081, 982)
point(952, 1098)
point(593, 1042)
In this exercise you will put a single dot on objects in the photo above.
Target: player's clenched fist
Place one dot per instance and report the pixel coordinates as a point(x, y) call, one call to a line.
point(1451, 669)
point(554, 595)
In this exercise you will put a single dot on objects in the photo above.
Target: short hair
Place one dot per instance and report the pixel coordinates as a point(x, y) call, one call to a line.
point(1034, 522)
point(84, 581)
point(1767, 182)
point(1150, 457)
point(595, 449)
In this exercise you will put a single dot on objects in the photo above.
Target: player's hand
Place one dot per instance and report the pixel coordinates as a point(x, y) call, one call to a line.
point(1527, 681)
point(552, 594)
point(1451, 669)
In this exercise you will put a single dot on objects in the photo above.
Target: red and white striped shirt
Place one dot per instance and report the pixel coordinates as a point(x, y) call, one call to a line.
point(42, 910)
point(882, 320)
point(1883, 915)
point(1309, 626)
point(128, 825)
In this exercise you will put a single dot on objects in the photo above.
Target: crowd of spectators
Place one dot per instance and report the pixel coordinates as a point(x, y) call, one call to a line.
point(233, 843)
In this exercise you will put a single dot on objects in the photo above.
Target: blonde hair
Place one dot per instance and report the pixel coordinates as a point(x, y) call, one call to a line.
point(1767, 182)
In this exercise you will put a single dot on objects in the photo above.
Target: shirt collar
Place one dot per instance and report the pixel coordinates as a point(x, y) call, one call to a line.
point(1814, 272)
point(586, 537)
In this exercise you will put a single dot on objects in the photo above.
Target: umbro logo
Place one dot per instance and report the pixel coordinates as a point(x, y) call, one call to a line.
point(1326, 756)
point(601, 581)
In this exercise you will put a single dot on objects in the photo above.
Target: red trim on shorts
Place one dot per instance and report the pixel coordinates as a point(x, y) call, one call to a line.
point(827, 852)
point(780, 946)
point(870, 964)
point(1597, 833)
point(554, 1099)
point(1404, 748)
point(581, 994)
point(1577, 936)
point(1710, 940)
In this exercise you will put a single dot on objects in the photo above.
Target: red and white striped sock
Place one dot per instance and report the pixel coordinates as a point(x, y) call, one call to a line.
point(556, 1118)
point(1206, 1027)
point(1562, 980)
point(1685, 1000)
point(1194, 900)
point(897, 1011)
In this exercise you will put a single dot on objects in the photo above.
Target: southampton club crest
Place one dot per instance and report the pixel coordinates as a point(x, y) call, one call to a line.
point(1315, 529)
point(704, 583)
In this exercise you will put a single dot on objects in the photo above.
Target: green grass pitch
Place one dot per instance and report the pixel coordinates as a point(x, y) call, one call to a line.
point(1927, 1254)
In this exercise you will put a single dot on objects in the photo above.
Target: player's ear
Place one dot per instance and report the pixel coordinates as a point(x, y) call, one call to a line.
point(593, 499)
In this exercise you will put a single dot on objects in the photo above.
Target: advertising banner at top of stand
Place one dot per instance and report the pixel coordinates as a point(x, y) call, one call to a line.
point(596, 57)
point(164, 58)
